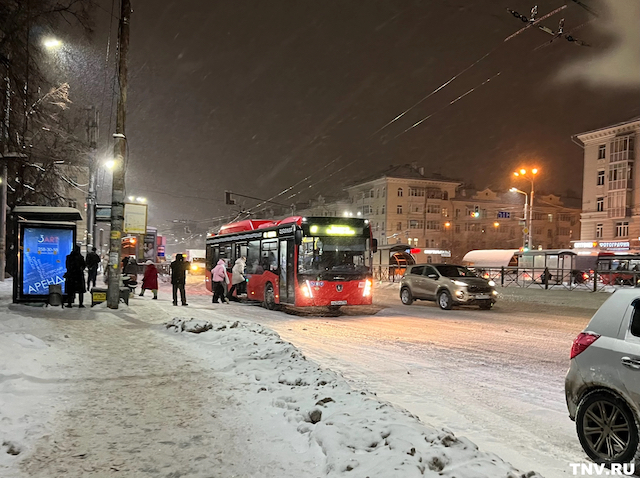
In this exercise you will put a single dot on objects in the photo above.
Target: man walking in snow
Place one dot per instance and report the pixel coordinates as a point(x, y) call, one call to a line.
point(179, 278)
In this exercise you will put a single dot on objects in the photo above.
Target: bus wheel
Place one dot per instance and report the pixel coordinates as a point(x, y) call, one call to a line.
point(269, 297)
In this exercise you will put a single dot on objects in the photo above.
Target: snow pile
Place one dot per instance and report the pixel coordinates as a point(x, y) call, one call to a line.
point(359, 435)
point(194, 326)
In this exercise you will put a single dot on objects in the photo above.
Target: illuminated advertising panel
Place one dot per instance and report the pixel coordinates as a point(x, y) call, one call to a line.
point(45, 252)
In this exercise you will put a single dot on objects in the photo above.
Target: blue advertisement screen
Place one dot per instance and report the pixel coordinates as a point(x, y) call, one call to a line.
point(44, 254)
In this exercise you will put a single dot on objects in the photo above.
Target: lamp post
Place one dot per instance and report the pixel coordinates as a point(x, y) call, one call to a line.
point(529, 176)
point(526, 208)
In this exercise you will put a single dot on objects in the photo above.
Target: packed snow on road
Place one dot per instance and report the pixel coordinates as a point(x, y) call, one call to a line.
point(137, 392)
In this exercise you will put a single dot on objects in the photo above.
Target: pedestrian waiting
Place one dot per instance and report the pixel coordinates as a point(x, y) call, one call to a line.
point(74, 277)
point(93, 261)
point(179, 278)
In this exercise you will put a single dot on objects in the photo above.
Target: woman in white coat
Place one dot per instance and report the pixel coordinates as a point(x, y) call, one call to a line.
point(237, 278)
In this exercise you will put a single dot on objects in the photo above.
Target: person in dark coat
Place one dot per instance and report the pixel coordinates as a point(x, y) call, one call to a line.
point(74, 277)
point(150, 279)
point(93, 261)
point(178, 278)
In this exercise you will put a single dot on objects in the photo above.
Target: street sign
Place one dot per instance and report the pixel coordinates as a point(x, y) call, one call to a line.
point(525, 230)
point(102, 213)
point(504, 215)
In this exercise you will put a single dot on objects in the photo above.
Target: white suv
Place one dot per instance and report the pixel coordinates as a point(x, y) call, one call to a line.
point(603, 383)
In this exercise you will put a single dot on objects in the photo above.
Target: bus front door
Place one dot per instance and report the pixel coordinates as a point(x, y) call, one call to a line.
point(287, 264)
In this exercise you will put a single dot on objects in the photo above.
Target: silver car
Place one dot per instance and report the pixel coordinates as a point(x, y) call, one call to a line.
point(447, 285)
point(603, 383)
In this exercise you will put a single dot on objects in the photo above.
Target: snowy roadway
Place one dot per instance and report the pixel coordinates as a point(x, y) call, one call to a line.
point(89, 392)
point(495, 377)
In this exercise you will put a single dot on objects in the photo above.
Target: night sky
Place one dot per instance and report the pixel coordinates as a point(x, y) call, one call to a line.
point(255, 96)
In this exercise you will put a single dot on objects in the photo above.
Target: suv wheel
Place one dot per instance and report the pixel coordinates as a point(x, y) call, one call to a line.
point(606, 428)
point(405, 296)
point(444, 300)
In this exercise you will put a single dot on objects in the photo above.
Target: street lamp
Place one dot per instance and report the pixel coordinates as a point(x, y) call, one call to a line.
point(529, 176)
point(51, 43)
point(526, 207)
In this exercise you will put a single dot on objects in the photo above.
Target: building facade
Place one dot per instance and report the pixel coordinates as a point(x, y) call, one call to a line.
point(611, 191)
point(406, 207)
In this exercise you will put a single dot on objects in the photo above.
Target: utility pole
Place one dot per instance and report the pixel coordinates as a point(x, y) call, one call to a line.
point(119, 152)
point(92, 139)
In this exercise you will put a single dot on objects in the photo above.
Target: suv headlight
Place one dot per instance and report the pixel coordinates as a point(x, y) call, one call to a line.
point(492, 284)
point(460, 283)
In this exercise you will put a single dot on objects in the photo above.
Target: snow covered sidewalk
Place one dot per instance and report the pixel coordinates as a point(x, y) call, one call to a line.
point(95, 392)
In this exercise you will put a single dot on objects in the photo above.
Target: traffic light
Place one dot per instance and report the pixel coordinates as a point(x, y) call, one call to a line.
point(476, 212)
point(227, 198)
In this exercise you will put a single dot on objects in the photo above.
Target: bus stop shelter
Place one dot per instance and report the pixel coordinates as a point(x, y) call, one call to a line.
point(44, 237)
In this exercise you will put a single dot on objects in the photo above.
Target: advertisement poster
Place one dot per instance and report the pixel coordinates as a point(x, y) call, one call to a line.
point(149, 247)
point(44, 254)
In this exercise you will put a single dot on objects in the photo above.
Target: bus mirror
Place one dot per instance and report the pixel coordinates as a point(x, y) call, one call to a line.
point(298, 236)
point(374, 245)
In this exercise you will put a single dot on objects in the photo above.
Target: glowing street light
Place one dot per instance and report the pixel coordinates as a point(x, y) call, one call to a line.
point(529, 176)
point(52, 43)
point(110, 164)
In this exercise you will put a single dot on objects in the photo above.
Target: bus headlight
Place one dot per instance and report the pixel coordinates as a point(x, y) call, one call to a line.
point(306, 290)
point(367, 288)
point(194, 267)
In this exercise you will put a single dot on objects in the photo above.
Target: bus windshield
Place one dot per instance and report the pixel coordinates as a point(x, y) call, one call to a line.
point(331, 254)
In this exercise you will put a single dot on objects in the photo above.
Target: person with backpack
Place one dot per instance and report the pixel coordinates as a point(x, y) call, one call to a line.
point(93, 261)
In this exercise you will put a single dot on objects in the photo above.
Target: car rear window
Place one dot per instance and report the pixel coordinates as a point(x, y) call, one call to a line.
point(417, 271)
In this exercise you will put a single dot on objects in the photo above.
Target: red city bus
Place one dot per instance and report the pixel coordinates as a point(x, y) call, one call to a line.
point(299, 261)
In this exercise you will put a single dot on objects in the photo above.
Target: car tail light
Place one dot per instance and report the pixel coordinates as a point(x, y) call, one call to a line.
point(582, 341)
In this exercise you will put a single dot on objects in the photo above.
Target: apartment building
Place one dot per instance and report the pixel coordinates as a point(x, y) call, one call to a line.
point(432, 212)
point(610, 191)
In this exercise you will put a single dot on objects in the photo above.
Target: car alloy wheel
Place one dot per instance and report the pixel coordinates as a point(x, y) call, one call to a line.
point(405, 296)
point(444, 300)
point(607, 429)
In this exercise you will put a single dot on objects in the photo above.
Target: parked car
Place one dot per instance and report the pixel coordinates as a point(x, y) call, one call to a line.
point(448, 285)
point(602, 386)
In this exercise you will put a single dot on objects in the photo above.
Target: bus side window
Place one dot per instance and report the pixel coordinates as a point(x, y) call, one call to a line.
point(269, 260)
point(253, 257)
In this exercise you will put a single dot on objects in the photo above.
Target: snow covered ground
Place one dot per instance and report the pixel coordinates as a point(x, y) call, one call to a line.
point(96, 392)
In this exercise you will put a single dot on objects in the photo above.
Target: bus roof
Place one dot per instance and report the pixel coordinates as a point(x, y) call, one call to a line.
point(253, 224)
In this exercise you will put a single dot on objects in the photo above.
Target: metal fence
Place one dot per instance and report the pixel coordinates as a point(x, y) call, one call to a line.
point(543, 278)
point(570, 279)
